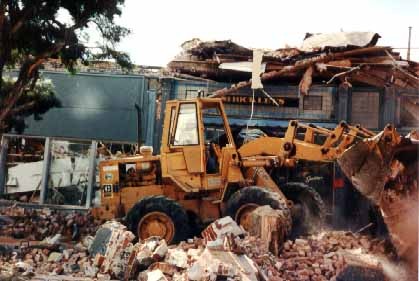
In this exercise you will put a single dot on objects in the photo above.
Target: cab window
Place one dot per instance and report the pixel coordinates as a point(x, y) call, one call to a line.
point(215, 131)
point(187, 126)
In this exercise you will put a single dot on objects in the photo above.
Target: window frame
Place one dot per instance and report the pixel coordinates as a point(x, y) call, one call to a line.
point(224, 125)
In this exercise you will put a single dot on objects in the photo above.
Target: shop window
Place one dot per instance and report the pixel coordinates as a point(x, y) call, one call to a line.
point(69, 173)
point(24, 167)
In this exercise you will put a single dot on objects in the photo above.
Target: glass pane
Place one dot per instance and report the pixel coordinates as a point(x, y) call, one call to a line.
point(187, 126)
point(68, 174)
point(24, 168)
point(214, 127)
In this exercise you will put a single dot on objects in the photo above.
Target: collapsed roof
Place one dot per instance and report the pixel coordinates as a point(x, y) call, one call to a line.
point(343, 57)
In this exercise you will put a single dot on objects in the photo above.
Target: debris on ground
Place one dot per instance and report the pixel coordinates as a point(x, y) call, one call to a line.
point(40, 224)
point(226, 251)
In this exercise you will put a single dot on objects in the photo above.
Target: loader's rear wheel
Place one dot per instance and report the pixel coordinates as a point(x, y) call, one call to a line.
point(309, 212)
point(243, 202)
point(159, 216)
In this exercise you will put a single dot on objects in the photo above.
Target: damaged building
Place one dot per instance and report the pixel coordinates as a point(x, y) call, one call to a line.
point(104, 113)
point(249, 226)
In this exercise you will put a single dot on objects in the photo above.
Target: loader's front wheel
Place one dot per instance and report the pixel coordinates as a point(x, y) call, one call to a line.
point(159, 216)
point(243, 202)
point(309, 212)
point(156, 224)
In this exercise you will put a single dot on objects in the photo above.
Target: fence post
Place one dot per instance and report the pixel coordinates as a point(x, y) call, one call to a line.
point(91, 173)
point(4, 146)
point(45, 171)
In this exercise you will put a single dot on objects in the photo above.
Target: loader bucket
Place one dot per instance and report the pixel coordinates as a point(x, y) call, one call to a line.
point(366, 166)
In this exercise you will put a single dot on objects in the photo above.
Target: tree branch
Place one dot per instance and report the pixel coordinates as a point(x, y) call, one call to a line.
point(21, 108)
point(18, 24)
point(27, 73)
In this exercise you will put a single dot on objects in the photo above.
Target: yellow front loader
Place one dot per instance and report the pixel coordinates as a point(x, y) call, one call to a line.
point(200, 174)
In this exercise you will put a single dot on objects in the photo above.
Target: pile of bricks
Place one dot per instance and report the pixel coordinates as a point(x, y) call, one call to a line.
point(225, 252)
point(318, 257)
point(38, 224)
point(48, 259)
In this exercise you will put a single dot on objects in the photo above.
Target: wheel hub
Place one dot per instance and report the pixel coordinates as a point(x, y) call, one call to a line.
point(156, 224)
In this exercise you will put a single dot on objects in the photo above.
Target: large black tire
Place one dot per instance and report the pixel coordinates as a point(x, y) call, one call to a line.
point(311, 213)
point(258, 196)
point(161, 204)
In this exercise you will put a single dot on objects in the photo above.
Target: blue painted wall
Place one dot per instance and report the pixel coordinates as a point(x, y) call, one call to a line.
point(94, 106)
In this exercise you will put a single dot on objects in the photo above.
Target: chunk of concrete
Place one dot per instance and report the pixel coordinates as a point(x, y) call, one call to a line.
point(221, 228)
point(271, 226)
point(177, 257)
point(112, 248)
point(55, 257)
point(160, 251)
point(156, 275)
point(214, 264)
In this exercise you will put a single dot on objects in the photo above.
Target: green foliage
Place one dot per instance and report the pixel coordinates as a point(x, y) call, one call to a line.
point(34, 101)
point(31, 32)
point(42, 31)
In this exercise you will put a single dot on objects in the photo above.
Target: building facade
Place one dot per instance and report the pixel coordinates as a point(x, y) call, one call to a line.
point(122, 110)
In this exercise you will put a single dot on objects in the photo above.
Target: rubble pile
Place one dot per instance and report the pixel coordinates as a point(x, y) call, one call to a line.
point(342, 57)
point(40, 224)
point(226, 252)
point(318, 257)
point(48, 259)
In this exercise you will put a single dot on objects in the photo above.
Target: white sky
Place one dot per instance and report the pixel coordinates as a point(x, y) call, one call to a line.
point(159, 27)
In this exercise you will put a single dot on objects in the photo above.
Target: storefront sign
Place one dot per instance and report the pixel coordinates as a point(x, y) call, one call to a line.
point(262, 100)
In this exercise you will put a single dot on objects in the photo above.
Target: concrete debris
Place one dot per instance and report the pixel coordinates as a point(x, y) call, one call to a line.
point(177, 257)
point(213, 264)
point(156, 275)
point(270, 225)
point(55, 239)
point(318, 257)
point(222, 233)
point(226, 252)
point(113, 258)
point(55, 257)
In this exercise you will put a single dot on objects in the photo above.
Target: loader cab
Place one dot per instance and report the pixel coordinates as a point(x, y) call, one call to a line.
point(197, 144)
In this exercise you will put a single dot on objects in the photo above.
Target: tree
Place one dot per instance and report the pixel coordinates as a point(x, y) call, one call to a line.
point(31, 32)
